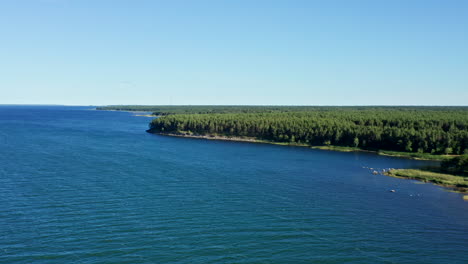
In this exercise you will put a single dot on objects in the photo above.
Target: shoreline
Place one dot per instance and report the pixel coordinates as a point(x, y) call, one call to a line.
point(212, 137)
point(135, 113)
point(452, 182)
point(328, 148)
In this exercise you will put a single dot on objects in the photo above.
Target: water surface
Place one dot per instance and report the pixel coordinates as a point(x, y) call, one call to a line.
point(85, 186)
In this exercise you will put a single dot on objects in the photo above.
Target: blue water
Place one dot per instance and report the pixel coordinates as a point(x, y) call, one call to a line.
point(85, 186)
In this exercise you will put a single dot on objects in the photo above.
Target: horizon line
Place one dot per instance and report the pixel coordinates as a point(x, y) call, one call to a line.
point(330, 105)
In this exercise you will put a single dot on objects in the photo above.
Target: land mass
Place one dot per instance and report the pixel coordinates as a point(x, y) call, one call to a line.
point(431, 133)
point(417, 132)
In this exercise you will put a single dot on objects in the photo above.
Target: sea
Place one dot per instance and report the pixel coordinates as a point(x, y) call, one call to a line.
point(78, 185)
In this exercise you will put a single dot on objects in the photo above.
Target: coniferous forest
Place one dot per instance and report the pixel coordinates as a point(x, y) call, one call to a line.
point(435, 130)
point(418, 129)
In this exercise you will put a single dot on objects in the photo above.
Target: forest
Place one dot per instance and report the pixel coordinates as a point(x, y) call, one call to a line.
point(434, 130)
point(206, 109)
point(161, 110)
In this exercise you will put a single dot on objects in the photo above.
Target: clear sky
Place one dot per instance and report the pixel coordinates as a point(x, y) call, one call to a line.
point(96, 52)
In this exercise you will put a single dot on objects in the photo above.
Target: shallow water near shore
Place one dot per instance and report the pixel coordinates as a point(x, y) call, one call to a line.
point(85, 186)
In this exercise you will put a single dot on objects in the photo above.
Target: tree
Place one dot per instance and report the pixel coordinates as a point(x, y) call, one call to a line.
point(356, 142)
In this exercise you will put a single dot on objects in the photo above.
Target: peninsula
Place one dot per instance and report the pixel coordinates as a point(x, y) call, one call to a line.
point(428, 133)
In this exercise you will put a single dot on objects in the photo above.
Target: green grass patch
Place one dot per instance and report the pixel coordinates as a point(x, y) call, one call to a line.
point(414, 155)
point(408, 155)
point(460, 183)
point(337, 148)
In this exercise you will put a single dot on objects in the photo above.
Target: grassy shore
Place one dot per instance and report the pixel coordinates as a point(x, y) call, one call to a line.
point(457, 183)
point(414, 155)
point(408, 155)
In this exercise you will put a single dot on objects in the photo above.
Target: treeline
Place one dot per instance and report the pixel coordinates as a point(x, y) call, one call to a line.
point(207, 109)
point(162, 110)
point(436, 130)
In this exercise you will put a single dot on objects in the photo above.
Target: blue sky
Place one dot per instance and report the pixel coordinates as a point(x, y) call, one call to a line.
point(234, 52)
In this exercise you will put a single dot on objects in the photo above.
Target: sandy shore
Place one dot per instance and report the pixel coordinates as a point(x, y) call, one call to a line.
point(212, 137)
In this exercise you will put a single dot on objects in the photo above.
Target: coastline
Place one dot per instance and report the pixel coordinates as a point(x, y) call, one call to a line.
point(328, 148)
point(213, 137)
point(135, 113)
point(453, 182)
